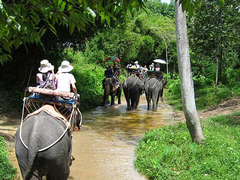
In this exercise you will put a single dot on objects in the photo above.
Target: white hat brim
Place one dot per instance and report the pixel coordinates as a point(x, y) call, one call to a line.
point(68, 69)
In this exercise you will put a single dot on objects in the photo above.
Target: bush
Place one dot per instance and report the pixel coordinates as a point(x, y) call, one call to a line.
point(7, 171)
point(89, 78)
point(168, 152)
point(204, 93)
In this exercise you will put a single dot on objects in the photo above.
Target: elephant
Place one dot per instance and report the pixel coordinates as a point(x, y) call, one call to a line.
point(43, 148)
point(109, 90)
point(153, 90)
point(132, 88)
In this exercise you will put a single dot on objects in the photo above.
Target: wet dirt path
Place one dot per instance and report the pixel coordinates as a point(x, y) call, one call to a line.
point(105, 147)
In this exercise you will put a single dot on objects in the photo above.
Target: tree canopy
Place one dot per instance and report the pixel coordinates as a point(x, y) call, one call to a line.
point(25, 22)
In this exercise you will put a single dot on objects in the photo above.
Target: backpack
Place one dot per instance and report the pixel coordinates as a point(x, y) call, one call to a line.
point(49, 83)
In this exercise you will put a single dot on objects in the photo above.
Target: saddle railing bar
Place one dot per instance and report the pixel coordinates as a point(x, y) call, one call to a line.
point(34, 104)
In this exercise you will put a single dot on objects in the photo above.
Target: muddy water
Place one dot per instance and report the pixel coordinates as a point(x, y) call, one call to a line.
point(104, 148)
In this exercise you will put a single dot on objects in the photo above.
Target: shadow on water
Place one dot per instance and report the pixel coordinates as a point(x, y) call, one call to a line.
point(104, 148)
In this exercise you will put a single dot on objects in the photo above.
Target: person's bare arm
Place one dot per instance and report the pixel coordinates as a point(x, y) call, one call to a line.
point(37, 79)
point(74, 88)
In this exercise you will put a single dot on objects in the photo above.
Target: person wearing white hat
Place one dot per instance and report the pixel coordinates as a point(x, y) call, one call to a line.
point(64, 79)
point(46, 77)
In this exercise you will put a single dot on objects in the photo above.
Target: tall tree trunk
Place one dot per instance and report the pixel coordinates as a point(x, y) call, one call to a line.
point(186, 81)
point(217, 74)
point(166, 50)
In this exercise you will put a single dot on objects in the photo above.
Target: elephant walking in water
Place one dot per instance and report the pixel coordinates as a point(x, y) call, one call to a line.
point(39, 149)
point(109, 85)
point(154, 90)
point(132, 88)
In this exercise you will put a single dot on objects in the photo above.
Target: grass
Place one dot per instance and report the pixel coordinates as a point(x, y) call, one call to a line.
point(204, 95)
point(7, 171)
point(168, 152)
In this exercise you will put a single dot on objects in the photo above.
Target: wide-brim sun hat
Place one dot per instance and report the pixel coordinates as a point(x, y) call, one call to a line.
point(136, 62)
point(65, 67)
point(45, 66)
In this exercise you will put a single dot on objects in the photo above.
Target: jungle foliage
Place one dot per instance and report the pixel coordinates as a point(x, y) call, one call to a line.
point(7, 171)
point(26, 22)
point(168, 152)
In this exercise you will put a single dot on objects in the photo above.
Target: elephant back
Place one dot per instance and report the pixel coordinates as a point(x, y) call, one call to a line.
point(131, 82)
point(153, 83)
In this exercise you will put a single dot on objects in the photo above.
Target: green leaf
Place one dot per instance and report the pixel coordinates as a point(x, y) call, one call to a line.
point(108, 20)
point(42, 31)
point(17, 43)
point(63, 6)
point(7, 47)
point(59, 3)
point(71, 27)
point(135, 4)
point(221, 2)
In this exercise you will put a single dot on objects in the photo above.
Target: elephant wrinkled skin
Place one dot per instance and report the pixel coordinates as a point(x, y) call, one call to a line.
point(132, 88)
point(154, 90)
point(38, 132)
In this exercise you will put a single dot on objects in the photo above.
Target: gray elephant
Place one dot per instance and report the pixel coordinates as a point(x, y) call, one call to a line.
point(153, 90)
point(111, 89)
point(132, 88)
point(34, 157)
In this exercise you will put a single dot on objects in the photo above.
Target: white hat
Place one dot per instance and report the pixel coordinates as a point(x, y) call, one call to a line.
point(136, 62)
point(45, 66)
point(65, 67)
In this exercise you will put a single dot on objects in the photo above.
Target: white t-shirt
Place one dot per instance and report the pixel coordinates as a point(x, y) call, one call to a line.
point(64, 81)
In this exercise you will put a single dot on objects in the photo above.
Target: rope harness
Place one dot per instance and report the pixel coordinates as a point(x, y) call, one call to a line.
point(134, 83)
point(57, 140)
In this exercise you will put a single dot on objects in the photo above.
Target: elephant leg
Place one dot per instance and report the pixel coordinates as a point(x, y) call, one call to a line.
point(154, 99)
point(60, 171)
point(119, 99)
point(148, 103)
point(161, 94)
point(112, 100)
point(135, 101)
point(105, 100)
point(126, 93)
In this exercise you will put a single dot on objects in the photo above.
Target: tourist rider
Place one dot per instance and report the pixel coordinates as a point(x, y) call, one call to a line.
point(116, 74)
point(108, 74)
point(46, 78)
point(151, 67)
point(66, 81)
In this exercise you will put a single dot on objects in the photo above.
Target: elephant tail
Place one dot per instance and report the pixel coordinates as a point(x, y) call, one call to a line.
point(32, 154)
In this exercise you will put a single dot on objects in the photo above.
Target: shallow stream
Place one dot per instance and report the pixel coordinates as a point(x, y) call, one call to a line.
point(105, 146)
